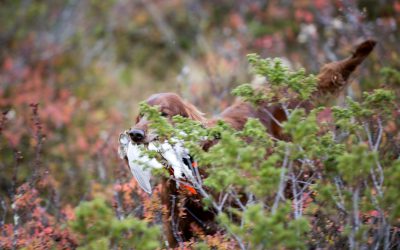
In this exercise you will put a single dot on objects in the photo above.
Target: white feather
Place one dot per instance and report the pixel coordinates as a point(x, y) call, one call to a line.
point(174, 156)
point(181, 153)
point(141, 166)
point(123, 145)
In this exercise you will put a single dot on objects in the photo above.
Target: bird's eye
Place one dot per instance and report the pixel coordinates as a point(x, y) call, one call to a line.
point(164, 114)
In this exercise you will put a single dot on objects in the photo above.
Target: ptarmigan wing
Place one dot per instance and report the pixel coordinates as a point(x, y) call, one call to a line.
point(174, 156)
point(141, 166)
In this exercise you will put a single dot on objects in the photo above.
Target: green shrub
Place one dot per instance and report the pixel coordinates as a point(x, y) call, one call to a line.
point(332, 185)
point(98, 227)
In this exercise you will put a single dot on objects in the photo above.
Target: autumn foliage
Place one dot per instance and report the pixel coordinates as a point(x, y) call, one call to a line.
point(73, 72)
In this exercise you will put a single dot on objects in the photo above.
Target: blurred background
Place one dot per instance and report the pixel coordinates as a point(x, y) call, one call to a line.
point(87, 64)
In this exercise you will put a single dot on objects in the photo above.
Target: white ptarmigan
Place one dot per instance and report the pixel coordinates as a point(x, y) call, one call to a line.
point(141, 165)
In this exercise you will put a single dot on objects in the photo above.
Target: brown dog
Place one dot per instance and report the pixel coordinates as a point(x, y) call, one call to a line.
point(170, 105)
point(331, 80)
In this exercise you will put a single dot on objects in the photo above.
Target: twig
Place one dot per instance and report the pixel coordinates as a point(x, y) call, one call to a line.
point(355, 220)
point(5, 210)
point(237, 200)
point(379, 138)
point(39, 144)
point(239, 241)
point(340, 205)
point(222, 203)
point(271, 116)
point(119, 210)
point(374, 148)
point(282, 182)
point(295, 196)
point(174, 225)
point(366, 127)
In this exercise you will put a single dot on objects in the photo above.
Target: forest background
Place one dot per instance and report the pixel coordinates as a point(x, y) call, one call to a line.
point(73, 72)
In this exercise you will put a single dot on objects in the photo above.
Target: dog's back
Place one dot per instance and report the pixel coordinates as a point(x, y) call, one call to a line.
point(331, 80)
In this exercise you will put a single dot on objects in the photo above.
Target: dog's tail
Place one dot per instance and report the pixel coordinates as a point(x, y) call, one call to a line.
point(333, 76)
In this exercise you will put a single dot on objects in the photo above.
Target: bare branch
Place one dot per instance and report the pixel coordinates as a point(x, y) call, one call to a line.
point(175, 230)
point(379, 138)
point(282, 182)
point(271, 116)
point(237, 200)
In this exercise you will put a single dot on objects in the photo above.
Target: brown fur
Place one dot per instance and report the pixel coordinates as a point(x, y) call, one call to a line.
point(334, 76)
point(176, 201)
point(170, 105)
point(331, 80)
